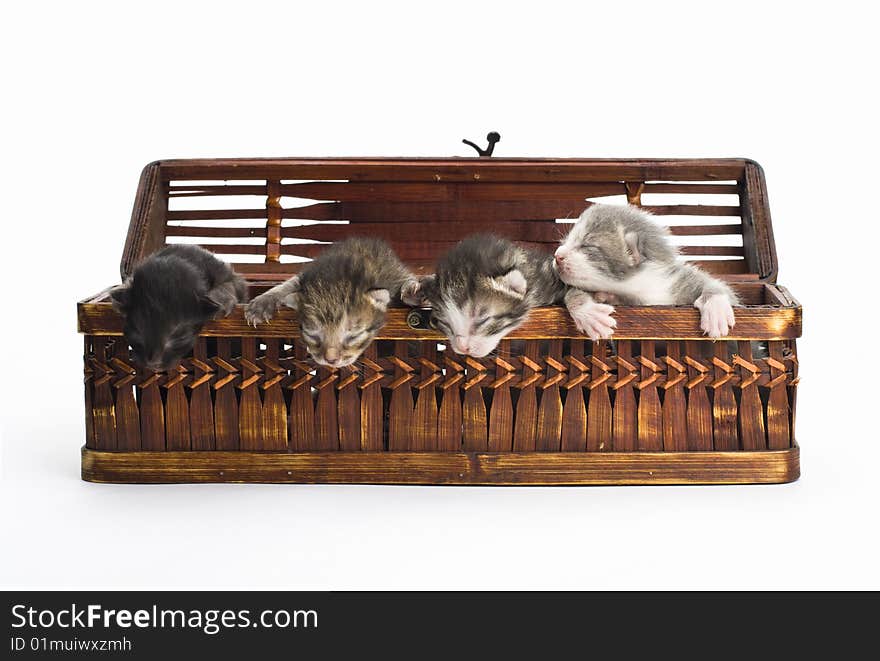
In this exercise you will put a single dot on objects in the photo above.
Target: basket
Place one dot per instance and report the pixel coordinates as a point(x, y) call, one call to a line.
point(660, 404)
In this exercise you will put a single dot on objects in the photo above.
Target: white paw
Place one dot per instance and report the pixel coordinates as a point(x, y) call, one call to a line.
point(260, 310)
point(716, 315)
point(594, 319)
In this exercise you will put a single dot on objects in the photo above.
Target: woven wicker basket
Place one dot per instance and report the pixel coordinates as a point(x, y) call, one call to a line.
point(658, 405)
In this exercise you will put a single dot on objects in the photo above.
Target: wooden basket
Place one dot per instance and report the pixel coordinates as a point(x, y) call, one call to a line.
point(658, 405)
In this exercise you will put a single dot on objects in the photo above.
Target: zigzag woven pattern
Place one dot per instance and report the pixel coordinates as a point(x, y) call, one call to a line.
point(551, 395)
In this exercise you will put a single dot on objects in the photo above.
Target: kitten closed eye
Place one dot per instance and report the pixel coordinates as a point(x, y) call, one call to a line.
point(353, 339)
point(310, 336)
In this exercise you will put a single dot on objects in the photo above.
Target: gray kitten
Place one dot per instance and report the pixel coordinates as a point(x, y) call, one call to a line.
point(485, 287)
point(168, 298)
point(621, 252)
point(341, 298)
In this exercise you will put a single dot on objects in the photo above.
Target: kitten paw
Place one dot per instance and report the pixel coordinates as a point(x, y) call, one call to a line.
point(411, 294)
point(225, 308)
point(716, 315)
point(220, 302)
point(594, 319)
point(260, 310)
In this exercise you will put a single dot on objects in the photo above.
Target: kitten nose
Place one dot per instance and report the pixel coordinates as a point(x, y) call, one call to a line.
point(460, 343)
point(558, 256)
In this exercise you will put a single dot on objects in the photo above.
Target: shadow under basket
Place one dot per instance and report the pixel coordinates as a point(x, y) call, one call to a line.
point(659, 404)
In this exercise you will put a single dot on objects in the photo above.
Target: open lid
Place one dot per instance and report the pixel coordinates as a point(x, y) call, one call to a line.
point(268, 216)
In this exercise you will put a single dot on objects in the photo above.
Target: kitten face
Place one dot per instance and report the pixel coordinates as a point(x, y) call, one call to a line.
point(476, 315)
point(169, 297)
point(160, 332)
point(336, 335)
point(596, 253)
point(160, 345)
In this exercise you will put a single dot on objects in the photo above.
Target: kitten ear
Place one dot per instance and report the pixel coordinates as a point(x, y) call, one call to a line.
point(379, 298)
point(120, 297)
point(633, 243)
point(513, 283)
point(415, 292)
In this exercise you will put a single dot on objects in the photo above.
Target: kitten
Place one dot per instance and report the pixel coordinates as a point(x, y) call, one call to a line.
point(484, 287)
point(341, 298)
point(622, 252)
point(168, 298)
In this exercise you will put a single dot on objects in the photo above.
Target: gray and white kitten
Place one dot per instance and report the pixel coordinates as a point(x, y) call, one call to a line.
point(168, 298)
point(623, 253)
point(484, 287)
point(341, 298)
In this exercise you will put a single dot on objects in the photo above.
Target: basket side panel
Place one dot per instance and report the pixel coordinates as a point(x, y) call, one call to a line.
point(247, 394)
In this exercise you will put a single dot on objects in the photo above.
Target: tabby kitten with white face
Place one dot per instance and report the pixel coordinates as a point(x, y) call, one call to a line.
point(484, 288)
point(341, 298)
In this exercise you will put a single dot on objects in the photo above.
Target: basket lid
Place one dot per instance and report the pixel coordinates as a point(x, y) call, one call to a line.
point(268, 216)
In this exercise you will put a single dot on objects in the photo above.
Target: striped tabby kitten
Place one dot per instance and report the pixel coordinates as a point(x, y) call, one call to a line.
point(341, 298)
point(484, 288)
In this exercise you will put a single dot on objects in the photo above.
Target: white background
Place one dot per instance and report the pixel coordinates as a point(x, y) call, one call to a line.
point(94, 91)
